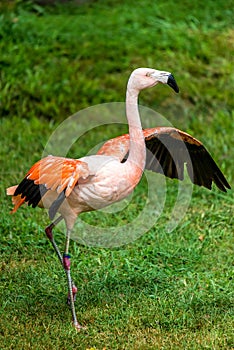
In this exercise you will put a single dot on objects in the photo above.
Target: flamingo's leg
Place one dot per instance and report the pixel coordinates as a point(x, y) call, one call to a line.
point(67, 264)
point(49, 234)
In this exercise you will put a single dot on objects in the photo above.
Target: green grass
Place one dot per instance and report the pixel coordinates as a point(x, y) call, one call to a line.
point(165, 290)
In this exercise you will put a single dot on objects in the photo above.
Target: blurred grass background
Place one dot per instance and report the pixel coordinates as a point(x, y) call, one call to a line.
point(164, 291)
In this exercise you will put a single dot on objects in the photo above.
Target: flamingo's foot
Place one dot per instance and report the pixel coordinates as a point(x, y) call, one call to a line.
point(74, 292)
point(78, 327)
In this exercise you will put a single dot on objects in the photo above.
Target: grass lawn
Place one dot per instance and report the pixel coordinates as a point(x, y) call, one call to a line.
point(166, 290)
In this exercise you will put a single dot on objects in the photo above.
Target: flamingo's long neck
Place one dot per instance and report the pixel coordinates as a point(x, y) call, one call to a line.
point(137, 150)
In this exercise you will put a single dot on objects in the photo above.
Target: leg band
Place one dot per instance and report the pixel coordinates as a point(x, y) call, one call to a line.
point(66, 261)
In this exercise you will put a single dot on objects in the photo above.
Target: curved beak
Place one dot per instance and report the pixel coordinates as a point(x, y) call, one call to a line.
point(172, 83)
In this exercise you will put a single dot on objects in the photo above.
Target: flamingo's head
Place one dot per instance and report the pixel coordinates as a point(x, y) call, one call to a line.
point(142, 78)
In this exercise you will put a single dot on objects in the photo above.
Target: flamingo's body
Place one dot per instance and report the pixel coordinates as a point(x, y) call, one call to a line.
point(73, 186)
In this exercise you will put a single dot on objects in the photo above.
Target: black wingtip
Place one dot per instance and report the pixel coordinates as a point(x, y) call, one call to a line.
point(172, 83)
point(221, 181)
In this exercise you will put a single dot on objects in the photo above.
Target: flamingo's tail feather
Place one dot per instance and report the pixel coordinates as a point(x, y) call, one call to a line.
point(16, 200)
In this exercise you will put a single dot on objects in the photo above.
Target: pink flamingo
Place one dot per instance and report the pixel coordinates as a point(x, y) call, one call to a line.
point(73, 186)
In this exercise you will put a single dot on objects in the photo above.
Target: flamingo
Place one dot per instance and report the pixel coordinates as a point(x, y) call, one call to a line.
point(72, 186)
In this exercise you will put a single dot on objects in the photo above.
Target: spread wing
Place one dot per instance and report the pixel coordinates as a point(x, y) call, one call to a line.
point(50, 173)
point(168, 149)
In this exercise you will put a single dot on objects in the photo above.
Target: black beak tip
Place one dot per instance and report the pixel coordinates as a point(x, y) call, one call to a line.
point(172, 83)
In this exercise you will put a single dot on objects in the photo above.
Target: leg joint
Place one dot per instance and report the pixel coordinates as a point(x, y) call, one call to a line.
point(48, 231)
